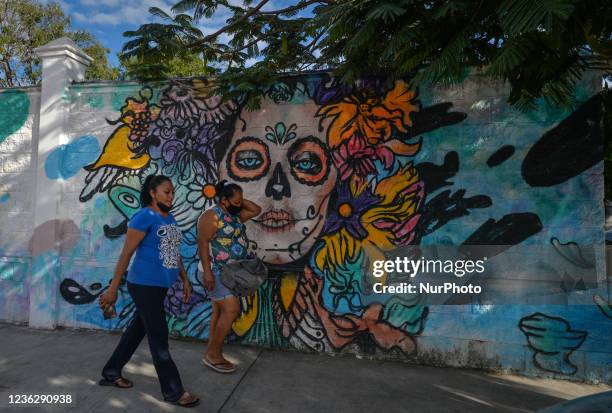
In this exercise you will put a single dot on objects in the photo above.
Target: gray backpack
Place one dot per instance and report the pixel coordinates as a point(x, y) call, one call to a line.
point(244, 277)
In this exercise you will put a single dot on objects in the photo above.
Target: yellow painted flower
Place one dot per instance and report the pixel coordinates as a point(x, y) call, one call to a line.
point(388, 224)
point(123, 147)
point(393, 220)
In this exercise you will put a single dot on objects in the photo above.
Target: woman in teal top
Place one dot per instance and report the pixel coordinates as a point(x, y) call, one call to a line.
point(156, 238)
point(221, 237)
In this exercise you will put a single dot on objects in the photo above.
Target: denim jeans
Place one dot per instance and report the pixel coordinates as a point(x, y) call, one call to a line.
point(150, 319)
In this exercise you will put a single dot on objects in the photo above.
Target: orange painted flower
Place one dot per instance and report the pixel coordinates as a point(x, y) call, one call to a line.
point(373, 117)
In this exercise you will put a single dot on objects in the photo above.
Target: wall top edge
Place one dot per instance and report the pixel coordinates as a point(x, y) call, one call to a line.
point(597, 76)
point(35, 88)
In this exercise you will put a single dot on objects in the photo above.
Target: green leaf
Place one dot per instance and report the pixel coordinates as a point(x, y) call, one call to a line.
point(386, 12)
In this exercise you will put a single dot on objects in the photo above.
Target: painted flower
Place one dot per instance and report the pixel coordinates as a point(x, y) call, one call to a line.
point(215, 109)
point(138, 115)
point(373, 117)
point(280, 92)
point(357, 157)
point(200, 193)
point(393, 221)
point(388, 222)
point(348, 210)
point(179, 104)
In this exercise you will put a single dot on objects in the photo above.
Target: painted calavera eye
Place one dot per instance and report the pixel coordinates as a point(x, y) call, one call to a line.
point(248, 160)
point(309, 161)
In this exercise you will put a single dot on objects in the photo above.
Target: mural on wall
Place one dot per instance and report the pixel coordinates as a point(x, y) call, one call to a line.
point(14, 107)
point(553, 341)
point(343, 176)
point(15, 152)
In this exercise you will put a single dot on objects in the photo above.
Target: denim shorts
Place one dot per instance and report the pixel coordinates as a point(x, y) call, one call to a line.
point(220, 291)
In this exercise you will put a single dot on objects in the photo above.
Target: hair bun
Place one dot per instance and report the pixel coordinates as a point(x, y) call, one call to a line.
point(219, 186)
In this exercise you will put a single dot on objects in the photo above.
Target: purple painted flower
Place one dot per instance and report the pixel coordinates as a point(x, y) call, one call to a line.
point(347, 210)
point(171, 149)
point(179, 103)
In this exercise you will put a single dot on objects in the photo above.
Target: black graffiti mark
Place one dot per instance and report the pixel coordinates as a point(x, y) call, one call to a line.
point(198, 322)
point(75, 294)
point(572, 253)
point(311, 212)
point(567, 150)
point(433, 117)
point(552, 341)
point(497, 236)
point(116, 231)
point(445, 207)
point(569, 284)
point(436, 176)
point(100, 179)
point(604, 306)
point(500, 156)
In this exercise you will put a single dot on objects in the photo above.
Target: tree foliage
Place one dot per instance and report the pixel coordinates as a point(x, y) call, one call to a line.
point(28, 24)
point(541, 48)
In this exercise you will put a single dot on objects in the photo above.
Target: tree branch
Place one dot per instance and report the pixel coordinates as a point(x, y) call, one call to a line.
point(9, 73)
point(214, 35)
point(300, 5)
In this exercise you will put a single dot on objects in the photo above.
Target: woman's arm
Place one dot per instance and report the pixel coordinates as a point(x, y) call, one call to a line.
point(185, 280)
point(133, 237)
point(207, 227)
point(249, 210)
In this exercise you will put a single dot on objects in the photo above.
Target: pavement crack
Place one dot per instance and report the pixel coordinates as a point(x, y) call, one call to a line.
point(246, 373)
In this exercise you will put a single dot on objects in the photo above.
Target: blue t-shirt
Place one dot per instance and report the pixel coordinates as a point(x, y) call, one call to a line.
point(157, 256)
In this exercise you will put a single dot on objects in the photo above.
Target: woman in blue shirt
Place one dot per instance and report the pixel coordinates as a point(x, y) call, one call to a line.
point(155, 237)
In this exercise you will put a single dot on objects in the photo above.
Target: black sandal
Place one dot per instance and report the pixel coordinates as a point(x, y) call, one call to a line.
point(121, 383)
point(192, 400)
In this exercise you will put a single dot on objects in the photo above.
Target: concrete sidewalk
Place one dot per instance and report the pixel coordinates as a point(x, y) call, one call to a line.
point(69, 362)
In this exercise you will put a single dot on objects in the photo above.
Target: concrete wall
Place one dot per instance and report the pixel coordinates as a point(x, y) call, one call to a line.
point(19, 109)
point(359, 171)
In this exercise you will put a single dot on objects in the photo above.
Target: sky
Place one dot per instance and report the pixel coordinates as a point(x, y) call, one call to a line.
point(109, 19)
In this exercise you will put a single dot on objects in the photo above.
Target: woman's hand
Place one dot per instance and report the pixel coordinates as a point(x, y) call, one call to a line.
point(209, 280)
point(186, 290)
point(108, 299)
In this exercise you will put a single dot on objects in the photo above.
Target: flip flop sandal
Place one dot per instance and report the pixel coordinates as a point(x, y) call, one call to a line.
point(216, 366)
point(193, 401)
point(116, 383)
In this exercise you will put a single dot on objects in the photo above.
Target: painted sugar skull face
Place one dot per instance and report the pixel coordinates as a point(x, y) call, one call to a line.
point(282, 162)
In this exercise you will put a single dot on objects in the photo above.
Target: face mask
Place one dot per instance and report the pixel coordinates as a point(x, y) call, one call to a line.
point(163, 207)
point(233, 209)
